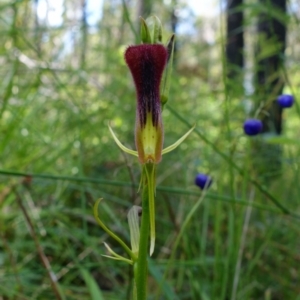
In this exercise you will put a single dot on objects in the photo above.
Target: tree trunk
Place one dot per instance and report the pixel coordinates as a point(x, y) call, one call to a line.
point(37, 32)
point(235, 39)
point(269, 84)
point(174, 23)
point(84, 33)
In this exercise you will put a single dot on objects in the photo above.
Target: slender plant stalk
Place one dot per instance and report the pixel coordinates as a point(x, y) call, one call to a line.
point(134, 293)
point(141, 267)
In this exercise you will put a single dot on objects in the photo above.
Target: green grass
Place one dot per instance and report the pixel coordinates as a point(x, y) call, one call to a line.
point(240, 240)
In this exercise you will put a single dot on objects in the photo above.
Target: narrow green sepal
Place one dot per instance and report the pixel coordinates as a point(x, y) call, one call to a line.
point(134, 227)
point(145, 33)
point(163, 100)
point(157, 30)
point(170, 47)
point(121, 146)
point(176, 144)
point(166, 82)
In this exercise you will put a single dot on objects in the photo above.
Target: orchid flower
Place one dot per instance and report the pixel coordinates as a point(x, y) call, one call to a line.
point(147, 63)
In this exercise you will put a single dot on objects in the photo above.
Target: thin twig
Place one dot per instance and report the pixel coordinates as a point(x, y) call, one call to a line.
point(43, 257)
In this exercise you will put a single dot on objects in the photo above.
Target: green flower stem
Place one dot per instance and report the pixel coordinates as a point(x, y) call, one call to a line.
point(134, 297)
point(141, 266)
point(150, 177)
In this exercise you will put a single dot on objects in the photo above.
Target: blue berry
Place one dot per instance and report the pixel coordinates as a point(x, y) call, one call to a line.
point(285, 101)
point(203, 181)
point(253, 126)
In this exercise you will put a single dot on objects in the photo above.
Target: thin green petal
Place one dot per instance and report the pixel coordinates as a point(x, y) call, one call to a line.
point(145, 33)
point(176, 144)
point(157, 30)
point(121, 146)
point(120, 259)
point(115, 255)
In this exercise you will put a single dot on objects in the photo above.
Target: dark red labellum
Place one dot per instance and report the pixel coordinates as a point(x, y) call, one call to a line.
point(146, 63)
